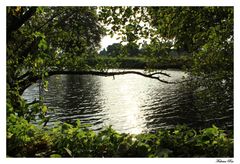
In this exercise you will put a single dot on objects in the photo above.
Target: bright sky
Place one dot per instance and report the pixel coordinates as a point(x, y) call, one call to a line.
point(107, 40)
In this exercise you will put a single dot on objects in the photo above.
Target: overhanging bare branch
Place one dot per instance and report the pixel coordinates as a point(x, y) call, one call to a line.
point(32, 79)
point(113, 73)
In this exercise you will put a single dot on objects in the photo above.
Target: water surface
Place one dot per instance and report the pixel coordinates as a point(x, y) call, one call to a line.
point(130, 103)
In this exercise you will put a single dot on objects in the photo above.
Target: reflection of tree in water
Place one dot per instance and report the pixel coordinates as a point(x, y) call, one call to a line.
point(74, 97)
point(216, 106)
point(175, 108)
point(183, 106)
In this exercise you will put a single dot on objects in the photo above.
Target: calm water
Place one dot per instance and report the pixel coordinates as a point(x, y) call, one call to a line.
point(130, 103)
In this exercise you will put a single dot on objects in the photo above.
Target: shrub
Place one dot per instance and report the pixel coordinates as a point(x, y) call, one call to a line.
point(66, 140)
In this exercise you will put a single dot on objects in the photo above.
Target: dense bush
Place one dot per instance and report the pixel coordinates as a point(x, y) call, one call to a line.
point(66, 140)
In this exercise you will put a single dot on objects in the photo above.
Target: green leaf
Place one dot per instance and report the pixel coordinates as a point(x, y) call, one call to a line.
point(58, 62)
point(55, 156)
point(44, 109)
point(68, 151)
point(40, 10)
point(9, 135)
point(164, 152)
point(45, 85)
point(43, 44)
point(78, 122)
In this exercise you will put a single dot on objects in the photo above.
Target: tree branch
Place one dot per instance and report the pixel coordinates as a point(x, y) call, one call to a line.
point(17, 22)
point(97, 73)
point(33, 79)
point(155, 73)
point(23, 76)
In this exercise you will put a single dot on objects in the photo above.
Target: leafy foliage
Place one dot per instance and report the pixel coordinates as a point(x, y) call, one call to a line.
point(144, 62)
point(40, 39)
point(205, 33)
point(66, 140)
point(47, 39)
point(25, 139)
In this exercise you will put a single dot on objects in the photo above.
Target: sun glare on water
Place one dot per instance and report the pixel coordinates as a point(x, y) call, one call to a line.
point(126, 108)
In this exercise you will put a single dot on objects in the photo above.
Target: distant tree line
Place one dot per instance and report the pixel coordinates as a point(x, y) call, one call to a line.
point(133, 49)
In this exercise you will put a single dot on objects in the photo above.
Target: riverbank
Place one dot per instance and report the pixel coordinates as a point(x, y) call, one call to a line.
point(144, 62)
point(66, 140)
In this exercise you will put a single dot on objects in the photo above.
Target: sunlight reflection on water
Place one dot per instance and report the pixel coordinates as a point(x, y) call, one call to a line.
point(130, 103)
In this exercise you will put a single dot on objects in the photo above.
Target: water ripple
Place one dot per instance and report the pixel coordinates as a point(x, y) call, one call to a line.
point(130, 103)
